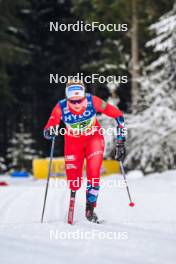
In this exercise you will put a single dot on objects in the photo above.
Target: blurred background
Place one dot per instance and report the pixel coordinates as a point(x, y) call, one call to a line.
point(146, 53)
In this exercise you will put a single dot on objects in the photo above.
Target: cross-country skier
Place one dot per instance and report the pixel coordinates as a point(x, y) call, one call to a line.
point(83, 140)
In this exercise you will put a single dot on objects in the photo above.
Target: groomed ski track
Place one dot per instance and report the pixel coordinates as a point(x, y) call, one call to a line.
point(144, 234)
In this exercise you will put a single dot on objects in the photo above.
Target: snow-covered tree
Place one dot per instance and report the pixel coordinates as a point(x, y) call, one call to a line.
point(152, 132)
point(3, 166)
point(21, 151)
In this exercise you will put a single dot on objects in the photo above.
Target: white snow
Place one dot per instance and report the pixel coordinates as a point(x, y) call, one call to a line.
point(148, 229)
point(135, 174)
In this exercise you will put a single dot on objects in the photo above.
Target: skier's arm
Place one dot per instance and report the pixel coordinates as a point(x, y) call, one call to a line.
point(103, 107)
point(53, 121)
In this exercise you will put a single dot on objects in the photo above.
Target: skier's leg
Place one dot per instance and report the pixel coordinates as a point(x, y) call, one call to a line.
point(94, 157)
point(74, 159)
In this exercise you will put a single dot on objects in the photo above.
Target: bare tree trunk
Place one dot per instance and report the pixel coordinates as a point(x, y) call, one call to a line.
point(135, 56)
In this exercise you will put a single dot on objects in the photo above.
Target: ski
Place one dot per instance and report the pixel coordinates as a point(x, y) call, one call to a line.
point(71, 207)
point(99, 222)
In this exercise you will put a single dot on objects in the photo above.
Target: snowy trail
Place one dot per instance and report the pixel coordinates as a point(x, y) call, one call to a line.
point(148, 230)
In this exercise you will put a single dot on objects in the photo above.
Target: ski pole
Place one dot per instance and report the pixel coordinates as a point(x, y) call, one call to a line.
point(48, 178)
point(127, 188)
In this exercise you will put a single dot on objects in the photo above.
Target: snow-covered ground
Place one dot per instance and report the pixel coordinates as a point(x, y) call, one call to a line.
point(143, 234)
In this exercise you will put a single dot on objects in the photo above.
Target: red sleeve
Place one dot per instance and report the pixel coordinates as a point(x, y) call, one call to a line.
point(102, 107)
point(55, 117)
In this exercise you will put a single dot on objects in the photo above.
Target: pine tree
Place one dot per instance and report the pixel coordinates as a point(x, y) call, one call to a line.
point(13, 58)
point(152, 141)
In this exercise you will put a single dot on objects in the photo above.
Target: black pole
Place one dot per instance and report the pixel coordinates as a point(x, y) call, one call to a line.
point(127, 188)
point(48, 178)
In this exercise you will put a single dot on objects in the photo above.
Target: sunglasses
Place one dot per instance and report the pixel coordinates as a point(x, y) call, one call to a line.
point(76, 101)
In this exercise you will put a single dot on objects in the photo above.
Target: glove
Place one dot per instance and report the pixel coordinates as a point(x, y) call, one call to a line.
point(120, 151)
point(47, 135)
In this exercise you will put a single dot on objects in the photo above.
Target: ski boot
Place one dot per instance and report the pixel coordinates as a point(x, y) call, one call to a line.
point(90, 214)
